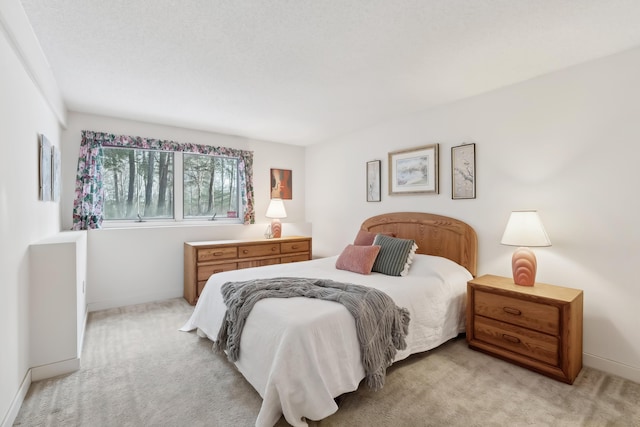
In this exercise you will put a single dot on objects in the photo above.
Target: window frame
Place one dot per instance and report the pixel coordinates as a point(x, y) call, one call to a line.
point(240, 210)
point(178, 199)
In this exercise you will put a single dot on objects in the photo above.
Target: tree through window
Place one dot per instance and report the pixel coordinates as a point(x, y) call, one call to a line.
point(210, 186)
point(140, 184)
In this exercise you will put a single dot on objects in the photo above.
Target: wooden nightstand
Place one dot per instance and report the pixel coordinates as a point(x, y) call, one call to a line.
point(538, 327)
point(202, 259)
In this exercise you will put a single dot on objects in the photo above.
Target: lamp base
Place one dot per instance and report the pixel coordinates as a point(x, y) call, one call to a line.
point(276, 228)
point(524, 266)
point(268, 234)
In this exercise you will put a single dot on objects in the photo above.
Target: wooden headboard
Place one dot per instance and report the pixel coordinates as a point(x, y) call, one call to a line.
point(434, 234)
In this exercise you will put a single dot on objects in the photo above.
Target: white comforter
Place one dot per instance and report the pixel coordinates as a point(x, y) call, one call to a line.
point(300, 353)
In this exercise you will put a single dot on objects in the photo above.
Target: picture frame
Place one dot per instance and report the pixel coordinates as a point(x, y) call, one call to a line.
point(463, 171)
point(45, 168)
point(55, 174)
point(374, 187)
point(414, 170)
point(281, 184)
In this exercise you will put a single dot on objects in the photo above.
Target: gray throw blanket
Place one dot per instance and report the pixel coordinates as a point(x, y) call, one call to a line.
point(381, 326)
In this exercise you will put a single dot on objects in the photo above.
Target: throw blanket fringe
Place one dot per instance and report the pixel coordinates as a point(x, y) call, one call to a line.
point(381, 326)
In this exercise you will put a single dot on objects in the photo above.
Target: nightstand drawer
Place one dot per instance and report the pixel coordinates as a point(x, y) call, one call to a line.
point(205, 271)
point(200, 287)
point(214, 254)
point(532, 315)
point(291, 247)
point(247, 251)
point(519, 340)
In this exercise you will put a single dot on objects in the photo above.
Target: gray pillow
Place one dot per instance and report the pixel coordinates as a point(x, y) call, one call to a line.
point(395, 255)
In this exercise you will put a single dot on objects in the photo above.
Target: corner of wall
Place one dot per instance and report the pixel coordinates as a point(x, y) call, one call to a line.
point(16, 25)
point(11, 415)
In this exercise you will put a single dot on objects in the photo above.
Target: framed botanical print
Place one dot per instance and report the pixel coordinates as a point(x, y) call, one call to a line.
point(373, 181)
point(463, 171)
point(414, 170)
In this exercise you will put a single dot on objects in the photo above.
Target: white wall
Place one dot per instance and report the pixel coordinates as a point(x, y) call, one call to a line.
point(566, 144)
point(24, 113)
point(134, 265)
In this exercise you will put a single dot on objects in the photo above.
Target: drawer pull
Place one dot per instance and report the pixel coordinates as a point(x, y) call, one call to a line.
point(245, 251)
point(511, 310)
point(511, 339)
point(294, 247)
point(218, 253)
point(273, 249)
point(217, 271)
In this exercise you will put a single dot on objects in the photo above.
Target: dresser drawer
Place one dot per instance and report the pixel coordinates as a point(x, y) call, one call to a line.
point(205, 271)
point(294, 258)
point(214, 254)
point(248, 251)
point(519, 340)
point(532, 315)
point(258, 263)
point(291, 247)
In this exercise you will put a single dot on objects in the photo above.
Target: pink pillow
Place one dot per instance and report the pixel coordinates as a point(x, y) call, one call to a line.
point(358, 259)
point(365, 238)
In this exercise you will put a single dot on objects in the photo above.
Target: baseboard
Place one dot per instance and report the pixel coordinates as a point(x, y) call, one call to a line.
point(132, 300)
point(17, 401)
point(611, 367)
point(84, 328)
point(54, 369)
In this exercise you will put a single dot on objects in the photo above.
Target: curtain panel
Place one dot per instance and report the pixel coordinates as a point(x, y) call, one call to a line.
point(89, 197)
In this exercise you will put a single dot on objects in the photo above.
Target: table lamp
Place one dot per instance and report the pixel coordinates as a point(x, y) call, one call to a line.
point(524, 229)
point(275, 211)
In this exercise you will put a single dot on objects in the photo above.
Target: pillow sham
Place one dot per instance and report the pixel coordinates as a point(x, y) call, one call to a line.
point(395, 255)
point(365, 238)
point(358, 259)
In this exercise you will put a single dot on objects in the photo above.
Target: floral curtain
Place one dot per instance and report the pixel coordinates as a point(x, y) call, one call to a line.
point(88, 203)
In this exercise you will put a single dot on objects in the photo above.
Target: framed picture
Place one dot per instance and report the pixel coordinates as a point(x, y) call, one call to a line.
point(45, 168)
point(373, 181)
point(463, 171)
point(414, 170)
point(281, 184)
point(55, 174)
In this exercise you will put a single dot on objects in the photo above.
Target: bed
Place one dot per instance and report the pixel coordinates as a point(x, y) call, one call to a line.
point(301, 353)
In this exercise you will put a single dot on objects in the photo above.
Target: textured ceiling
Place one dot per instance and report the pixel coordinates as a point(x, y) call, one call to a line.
point(303, 71)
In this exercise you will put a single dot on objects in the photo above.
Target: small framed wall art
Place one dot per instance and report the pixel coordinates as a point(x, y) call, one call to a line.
point(45, 168)
point(281, 184)
point(463, 171)
point(414, 170)
point(55, 173)
point(373, 181)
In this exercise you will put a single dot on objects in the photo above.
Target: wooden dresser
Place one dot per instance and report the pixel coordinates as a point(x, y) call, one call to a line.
point(538, 327)
point(202, 259)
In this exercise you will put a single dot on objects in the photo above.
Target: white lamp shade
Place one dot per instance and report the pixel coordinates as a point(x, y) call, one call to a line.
point(276, 209)
point(525, 228)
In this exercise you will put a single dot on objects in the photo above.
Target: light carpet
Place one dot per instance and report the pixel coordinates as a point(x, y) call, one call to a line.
point(139, 370)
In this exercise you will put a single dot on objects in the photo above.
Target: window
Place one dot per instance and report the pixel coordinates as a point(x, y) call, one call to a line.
point(130, 177)
point(210, 186)
point(137, 183)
